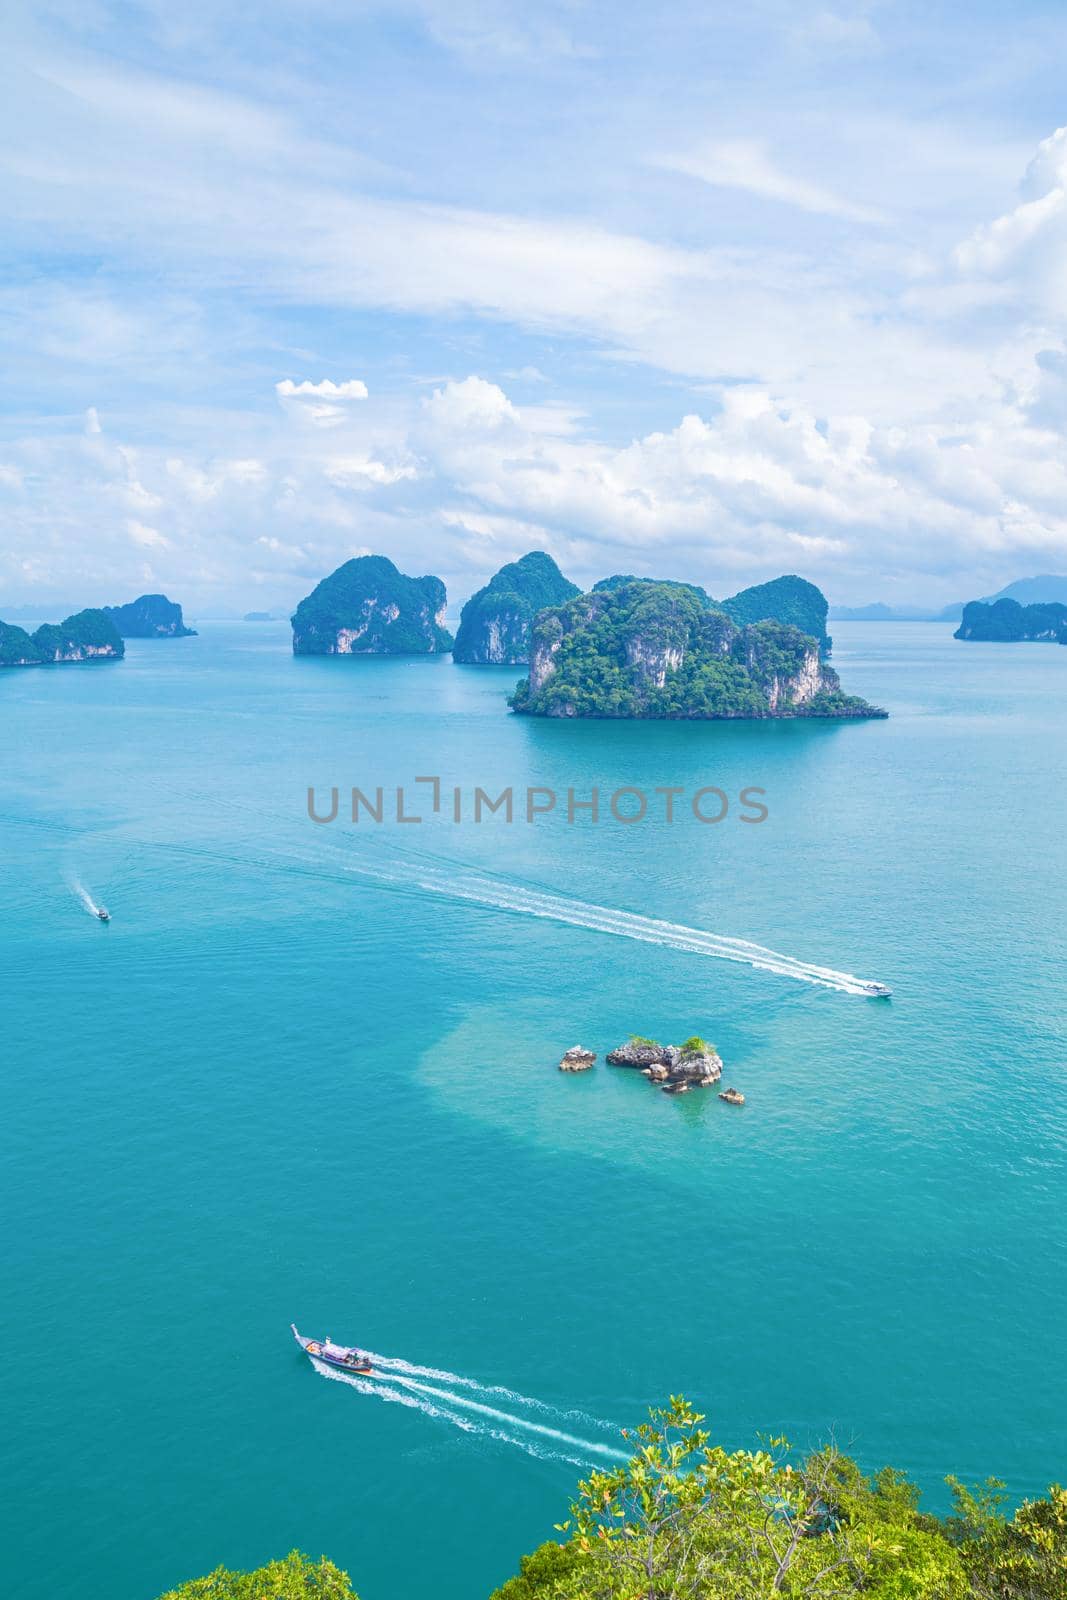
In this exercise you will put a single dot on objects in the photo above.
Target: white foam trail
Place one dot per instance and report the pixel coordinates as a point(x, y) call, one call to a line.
point(468, 1404)
point(384, 1392)
point(443, 1413)
point(77, 887)
point(624, 924)
point(408, 1369)
point(501, 895)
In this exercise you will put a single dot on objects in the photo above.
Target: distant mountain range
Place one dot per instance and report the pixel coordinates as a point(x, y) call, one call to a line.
point(1044, 590)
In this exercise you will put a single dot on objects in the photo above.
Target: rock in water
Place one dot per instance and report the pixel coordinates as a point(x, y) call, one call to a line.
point(639, 1053)
point(694, 1064)
point(151, 616)
point(576, 1059)
point(733, 1097)
point(494, 626)
point(658, 650)
point(368, 607)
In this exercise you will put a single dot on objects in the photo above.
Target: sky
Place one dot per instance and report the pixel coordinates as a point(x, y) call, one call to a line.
point(713, 293)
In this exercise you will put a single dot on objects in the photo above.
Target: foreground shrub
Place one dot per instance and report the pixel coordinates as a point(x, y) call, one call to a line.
point(295, 1578)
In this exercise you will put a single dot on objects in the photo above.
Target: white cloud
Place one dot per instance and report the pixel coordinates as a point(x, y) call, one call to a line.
point(471, 404)
point(758, 484)
point(745, 164)
point(840, 32)
point(348, 470)
point(92, 421)
point(349, 389)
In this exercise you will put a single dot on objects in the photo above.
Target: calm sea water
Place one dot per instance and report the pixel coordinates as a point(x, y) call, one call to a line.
point(309, 1073)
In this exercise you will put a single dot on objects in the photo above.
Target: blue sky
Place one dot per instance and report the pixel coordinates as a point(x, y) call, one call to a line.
point(777, 288)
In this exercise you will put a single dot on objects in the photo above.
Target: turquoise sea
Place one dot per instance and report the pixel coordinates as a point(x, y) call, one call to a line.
point(308, 1073)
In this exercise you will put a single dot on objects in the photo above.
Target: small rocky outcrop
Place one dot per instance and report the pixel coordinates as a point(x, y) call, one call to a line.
point(151, 616)
point(733, 1097)
point(494, 626)
point(641, 1053)
point(368, 607)
point(676, 1068)
point(85, 636)
point(576, 1059)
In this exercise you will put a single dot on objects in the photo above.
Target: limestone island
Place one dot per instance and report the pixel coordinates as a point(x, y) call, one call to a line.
point(676, 1068)
point(150, 616)
point(368, 607)
point(639, 649)
point(85, 636)
point(1007, 622)
point(494, 625)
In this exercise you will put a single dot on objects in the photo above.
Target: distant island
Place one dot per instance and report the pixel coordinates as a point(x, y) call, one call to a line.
point(879, 612)
point(86, 636)
point(1008, 622)
point(151, 616)
point(1042, 590)
point(369, 607)
point(258, 616)
point(1047, 589)
point(640, 649)
point(494, 625)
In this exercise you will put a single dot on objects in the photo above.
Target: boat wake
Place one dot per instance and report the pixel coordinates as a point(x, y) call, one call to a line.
point(78, 888)
point(463, 1403)
point(420, 873)
point(647, 930)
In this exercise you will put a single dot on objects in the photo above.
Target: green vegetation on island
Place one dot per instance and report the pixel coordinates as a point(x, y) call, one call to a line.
point(494, 625)
point(369, 607)
point(686, 1519)
point(656, 650)
point(86, 636)
point(788, 599)
point(294, 1578)
point(150, 616)
point(1007, 622)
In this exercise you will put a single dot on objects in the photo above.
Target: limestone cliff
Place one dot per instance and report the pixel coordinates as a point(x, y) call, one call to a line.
point(494, 626)
point(368, 607)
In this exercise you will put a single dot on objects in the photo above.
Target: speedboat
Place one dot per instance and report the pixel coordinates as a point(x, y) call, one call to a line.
point(878, 991)
point(346, 1358)
point(103, 914)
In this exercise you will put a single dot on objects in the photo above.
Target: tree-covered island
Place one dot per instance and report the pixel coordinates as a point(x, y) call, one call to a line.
point(633, 648)
point(85, 636)
point(494, 626)
point(369, 607)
